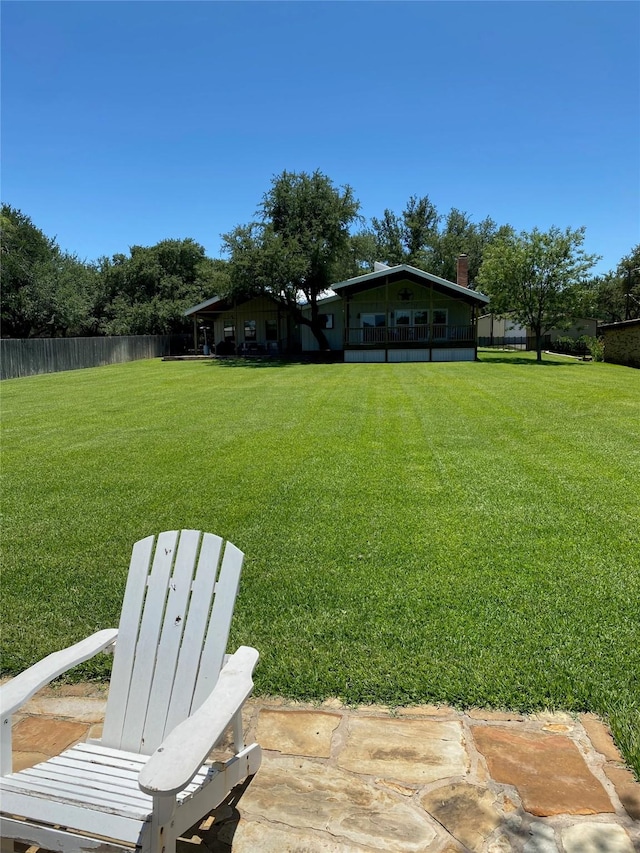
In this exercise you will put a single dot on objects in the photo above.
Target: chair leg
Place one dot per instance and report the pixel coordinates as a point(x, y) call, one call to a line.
point(238, 734)
point(163, 834)
point(6, 755)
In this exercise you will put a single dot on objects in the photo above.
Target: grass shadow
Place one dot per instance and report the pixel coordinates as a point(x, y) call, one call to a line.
point(233, 361)
point(242, 361)
point(530, 362)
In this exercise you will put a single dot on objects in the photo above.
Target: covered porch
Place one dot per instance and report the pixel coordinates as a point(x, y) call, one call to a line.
point(255, 327)
point(404, 314)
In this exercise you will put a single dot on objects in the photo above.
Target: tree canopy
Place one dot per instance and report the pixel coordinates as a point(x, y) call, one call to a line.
point(613, 296)
point(410, 237)
point(425, 239)
point(48, 293)
point(45, 291)
point(148, 291)
point(298, 247)
point(530, 276)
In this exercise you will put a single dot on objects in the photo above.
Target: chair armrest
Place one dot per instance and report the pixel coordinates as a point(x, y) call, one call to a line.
point(16, 692)
point(183, 752)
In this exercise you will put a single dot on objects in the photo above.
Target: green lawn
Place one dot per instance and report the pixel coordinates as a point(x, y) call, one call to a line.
point(464, 533)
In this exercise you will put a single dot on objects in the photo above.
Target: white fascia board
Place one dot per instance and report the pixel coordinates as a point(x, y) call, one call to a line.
point(332, 297)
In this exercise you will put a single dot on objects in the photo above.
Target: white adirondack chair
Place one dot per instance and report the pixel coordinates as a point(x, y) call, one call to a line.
point(173, 694)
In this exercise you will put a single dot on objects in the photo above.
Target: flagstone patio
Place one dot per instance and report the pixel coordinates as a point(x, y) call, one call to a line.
point(418, 780)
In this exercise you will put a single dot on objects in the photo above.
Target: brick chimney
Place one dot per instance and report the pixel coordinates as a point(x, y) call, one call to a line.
point(462, 275)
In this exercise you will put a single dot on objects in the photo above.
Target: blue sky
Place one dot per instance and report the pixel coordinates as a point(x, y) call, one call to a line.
point(128, 122)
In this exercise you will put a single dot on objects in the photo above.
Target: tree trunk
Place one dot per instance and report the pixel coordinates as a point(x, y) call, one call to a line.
point(538, 347)
point(319, 335)
point(314, 324)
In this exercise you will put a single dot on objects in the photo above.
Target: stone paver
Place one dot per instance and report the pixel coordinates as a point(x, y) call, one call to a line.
point(274, 838)
point(468, 812)
point(414, 751)
point(23, 759)
point(543, 839)
point(302, 793)
point(500, 845)
point(77, 708)
point(41, 735)
point(548, 771)
point(297, 732)
point(627, 789)
point(596, 838)
point(426, 779)
point(600, 737)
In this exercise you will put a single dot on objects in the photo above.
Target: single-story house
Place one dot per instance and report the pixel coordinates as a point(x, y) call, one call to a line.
point(256, 326)
point(496, 331)
point(622, 342)
point(397, 313)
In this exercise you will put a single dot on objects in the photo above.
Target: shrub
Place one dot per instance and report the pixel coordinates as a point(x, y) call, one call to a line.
point(595, 347)
point(571, 346)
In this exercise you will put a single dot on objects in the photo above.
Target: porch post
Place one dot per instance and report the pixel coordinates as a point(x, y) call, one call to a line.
point(475, 330)
point(386, 318)
point(347, 321)
point(431, 323)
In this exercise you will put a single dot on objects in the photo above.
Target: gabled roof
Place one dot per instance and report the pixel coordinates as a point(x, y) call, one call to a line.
point(402, 271)
point(218, 304)
point(208, 303)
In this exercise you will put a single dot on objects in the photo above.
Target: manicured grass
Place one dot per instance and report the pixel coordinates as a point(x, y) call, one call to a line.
point(464, 533)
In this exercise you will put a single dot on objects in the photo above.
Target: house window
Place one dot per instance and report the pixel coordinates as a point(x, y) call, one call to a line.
point(421, 325)
point(411, 325)
point(440, 320)
point(229, 330)
point(373, 328)
point(249, 330)
point(403, 330)
point(326, 321)
point(271, 330)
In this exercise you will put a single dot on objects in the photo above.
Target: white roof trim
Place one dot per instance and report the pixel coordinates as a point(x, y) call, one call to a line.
point(329, 296)
point(335, 297)
point(372, 276)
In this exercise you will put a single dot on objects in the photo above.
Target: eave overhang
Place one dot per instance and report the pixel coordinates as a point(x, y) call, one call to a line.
point(404, 272)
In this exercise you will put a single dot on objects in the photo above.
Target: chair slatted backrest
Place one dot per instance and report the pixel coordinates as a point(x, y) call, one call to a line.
point(173, 633)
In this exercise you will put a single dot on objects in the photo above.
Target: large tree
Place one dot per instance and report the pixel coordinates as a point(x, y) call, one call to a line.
point(531, 277)
point(629, 273)
point(459, 234)
point(297, 248)
point(147, 291)
point(612, 296)
point(410, 237)
point(423, 238)
point(46, 292)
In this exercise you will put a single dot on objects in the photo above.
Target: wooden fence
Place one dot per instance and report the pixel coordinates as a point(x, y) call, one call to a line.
point(26, 357)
